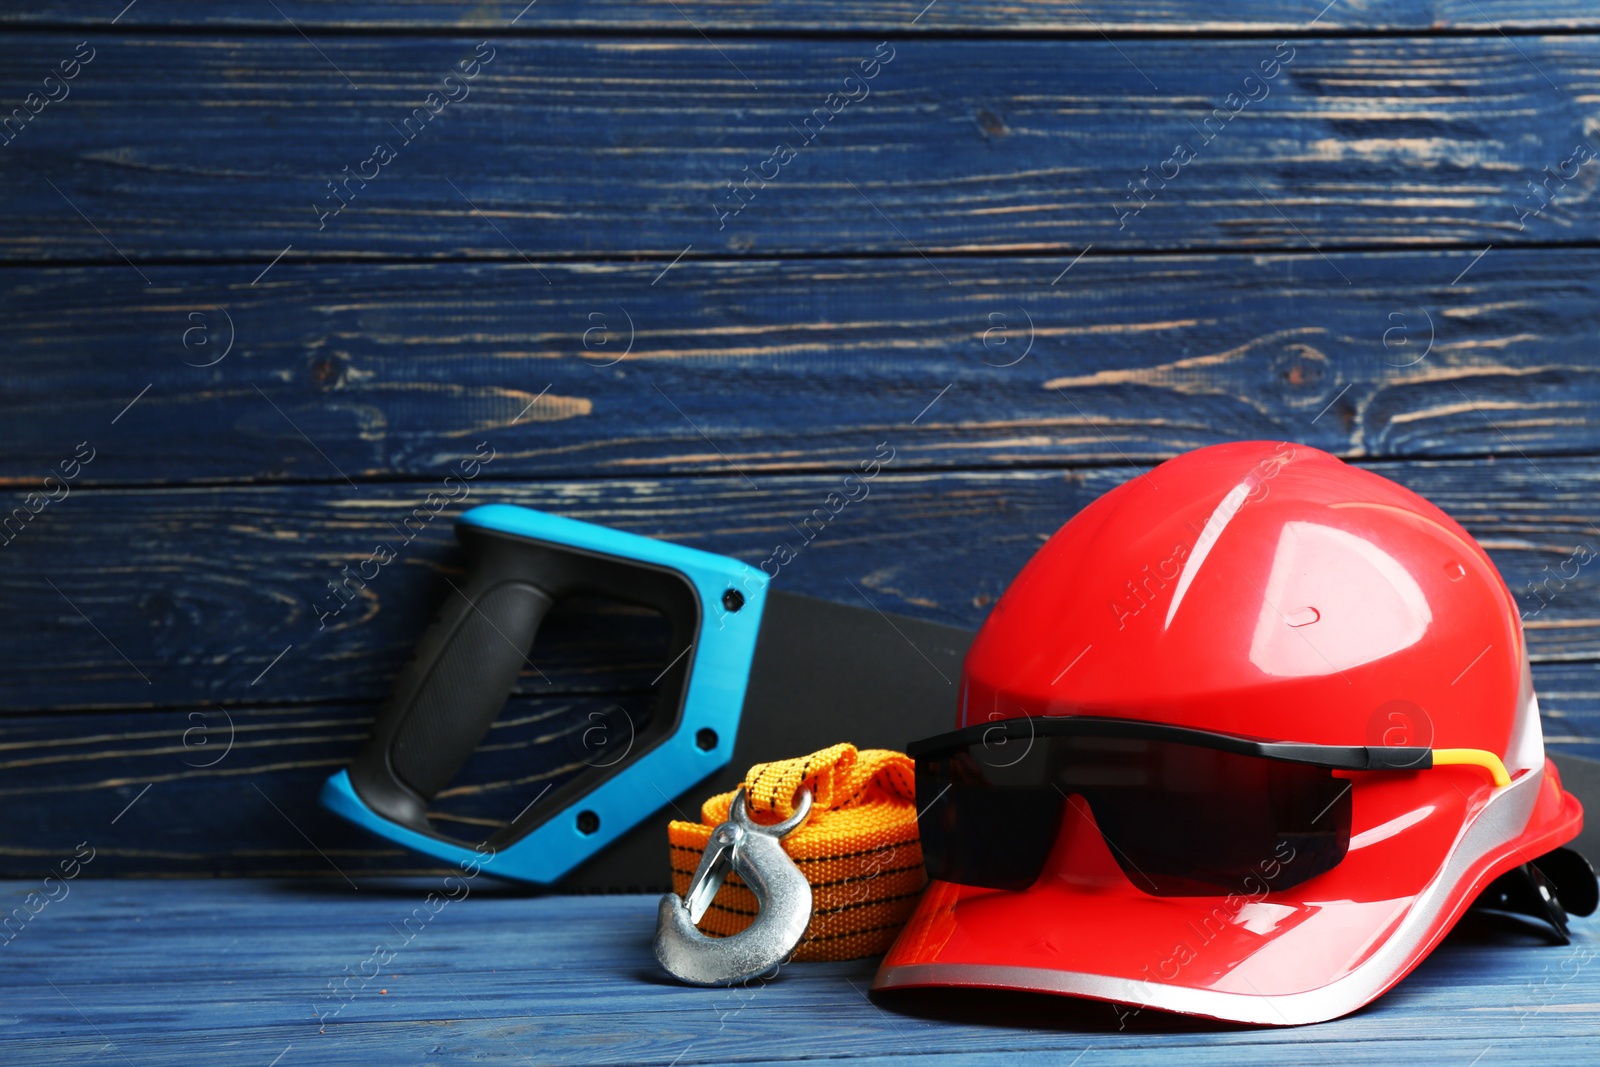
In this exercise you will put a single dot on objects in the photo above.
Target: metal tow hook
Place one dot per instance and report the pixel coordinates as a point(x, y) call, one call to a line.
point(783, 899)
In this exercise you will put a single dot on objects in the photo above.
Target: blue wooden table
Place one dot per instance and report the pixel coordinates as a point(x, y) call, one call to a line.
point(270, 271)
point(259, 972)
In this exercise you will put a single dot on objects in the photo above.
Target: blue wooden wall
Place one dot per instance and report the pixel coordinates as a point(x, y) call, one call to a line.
point(1035, 248)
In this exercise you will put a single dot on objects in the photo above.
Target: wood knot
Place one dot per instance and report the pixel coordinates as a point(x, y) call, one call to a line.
point(327, 372)
point(991, 124)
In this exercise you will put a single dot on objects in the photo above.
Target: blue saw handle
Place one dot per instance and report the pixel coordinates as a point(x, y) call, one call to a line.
point(468, 661)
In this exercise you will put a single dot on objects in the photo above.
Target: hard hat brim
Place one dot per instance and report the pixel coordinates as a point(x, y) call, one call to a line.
point(1307, 954)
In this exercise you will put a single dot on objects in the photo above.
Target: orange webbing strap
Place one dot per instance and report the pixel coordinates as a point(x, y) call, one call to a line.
point(859, 850)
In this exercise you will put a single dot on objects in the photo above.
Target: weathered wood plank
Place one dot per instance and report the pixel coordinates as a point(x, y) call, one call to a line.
point(493, 978)
point(233, 791)
point(205, 590)
point(401, 370)
point(209, 809)
point(896, 16)
point(203, 148)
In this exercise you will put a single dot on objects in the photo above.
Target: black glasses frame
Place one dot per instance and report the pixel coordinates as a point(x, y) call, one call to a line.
point(1023, 728)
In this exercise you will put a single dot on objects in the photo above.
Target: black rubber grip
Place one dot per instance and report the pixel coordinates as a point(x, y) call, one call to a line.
point(468, 661)
point(485, 641)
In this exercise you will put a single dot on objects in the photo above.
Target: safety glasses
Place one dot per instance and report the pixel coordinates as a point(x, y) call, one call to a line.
point(1185, 812)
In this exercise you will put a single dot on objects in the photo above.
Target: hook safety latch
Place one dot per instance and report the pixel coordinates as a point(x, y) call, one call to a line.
point(783, 900)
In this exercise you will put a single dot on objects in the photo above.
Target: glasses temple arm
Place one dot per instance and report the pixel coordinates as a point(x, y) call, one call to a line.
point(1475, 757)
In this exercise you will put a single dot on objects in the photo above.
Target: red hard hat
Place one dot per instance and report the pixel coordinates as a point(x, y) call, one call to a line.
point(1309, 629)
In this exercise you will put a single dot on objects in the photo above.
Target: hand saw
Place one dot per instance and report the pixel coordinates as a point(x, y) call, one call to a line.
point(765, 675)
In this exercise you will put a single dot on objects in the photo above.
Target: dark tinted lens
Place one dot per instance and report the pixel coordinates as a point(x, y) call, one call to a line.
point(1188, 821)
point(988, 818)
point(1180, 819)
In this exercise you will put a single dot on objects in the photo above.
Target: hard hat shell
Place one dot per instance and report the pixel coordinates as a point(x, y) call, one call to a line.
point(1271, 591)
